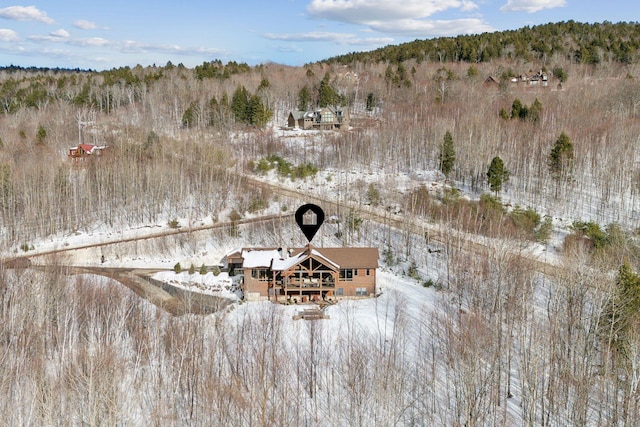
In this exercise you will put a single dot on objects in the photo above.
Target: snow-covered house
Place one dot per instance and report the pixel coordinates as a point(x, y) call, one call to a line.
point(322, 118)
point(306, 274)
point(83, 150)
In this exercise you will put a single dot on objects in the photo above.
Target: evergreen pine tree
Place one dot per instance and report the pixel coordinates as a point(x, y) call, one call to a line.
point(561, 157)
point(41, 134)
point(264, 84)
point(447, 155)
point(188, 118)
point(240, 105)
point(621, 318)
point(535, 111)
point(259, 114)
point(516, 109)
point(304, 98)
point(214, 112)
point(497, 174)
point(327, 96)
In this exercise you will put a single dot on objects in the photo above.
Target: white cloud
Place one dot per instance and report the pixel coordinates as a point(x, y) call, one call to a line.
point(338, 38)
point(60, 37)
point(531, 6)
point(8, 35)
point(130, 46)
point(407, 18)
point(425, 28)
point(366, 11)
point(91, 42)
point(60, 33)
point(25, 13)
point(83, 24)
point(289, 49)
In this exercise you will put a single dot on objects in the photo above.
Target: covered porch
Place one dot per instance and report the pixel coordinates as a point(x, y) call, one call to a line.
point(311, 279)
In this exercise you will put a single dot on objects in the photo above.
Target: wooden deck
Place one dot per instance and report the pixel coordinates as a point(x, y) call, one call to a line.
point(311, 314)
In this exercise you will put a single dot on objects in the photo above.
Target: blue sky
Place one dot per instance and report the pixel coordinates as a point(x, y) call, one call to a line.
point(115, 33)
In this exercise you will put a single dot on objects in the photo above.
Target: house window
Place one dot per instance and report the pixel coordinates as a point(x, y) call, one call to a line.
point(361, 292)
point(339, 292)
point(346, 274)
point(368, 272)
point(260, 274)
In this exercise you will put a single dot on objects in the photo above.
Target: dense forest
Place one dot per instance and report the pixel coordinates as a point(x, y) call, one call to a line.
point(453, 133)
point(577, 42)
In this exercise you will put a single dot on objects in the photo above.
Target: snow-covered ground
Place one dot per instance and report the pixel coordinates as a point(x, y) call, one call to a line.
point(400, 316)
point(220, 285)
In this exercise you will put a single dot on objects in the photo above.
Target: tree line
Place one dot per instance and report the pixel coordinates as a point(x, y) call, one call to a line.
point(585, 43)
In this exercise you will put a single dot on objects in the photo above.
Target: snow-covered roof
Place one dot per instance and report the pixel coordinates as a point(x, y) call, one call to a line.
point(280, 260)
point(88, 148)
point(280, 264)
point(255, 258)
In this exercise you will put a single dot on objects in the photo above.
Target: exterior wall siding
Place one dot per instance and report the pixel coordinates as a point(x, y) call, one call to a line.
point(314, 277)
point(359, 280)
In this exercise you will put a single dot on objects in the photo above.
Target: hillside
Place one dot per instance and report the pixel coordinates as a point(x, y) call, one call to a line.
point(578, 42)
point(509, 288)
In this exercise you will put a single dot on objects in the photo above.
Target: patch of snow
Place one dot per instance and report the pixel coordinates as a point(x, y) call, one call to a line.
point(220, 285)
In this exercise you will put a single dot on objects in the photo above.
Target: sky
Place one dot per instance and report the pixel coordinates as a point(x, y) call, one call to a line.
point(116, 33)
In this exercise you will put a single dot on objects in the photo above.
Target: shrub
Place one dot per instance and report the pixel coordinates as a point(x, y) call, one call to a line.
point(591, 231)
point(373, 195)
point(451, 196)
point(258, 204)
point(174, 224)
point(303, 171)
point(263, 167)
point(203, 269)
point(234, 216)
point(413, 271)
point(526, 221)
point(388, 256)
point(177, 268)
point(428, 283)
point(284, 168)
point(543, 232)
point(491, 204)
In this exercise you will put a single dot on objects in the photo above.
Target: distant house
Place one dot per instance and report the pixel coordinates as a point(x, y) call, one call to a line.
point(301, 119)
point(322, 118)
point(491, 82)
point(305, 274)
point(538, 78)
point(84, 150)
